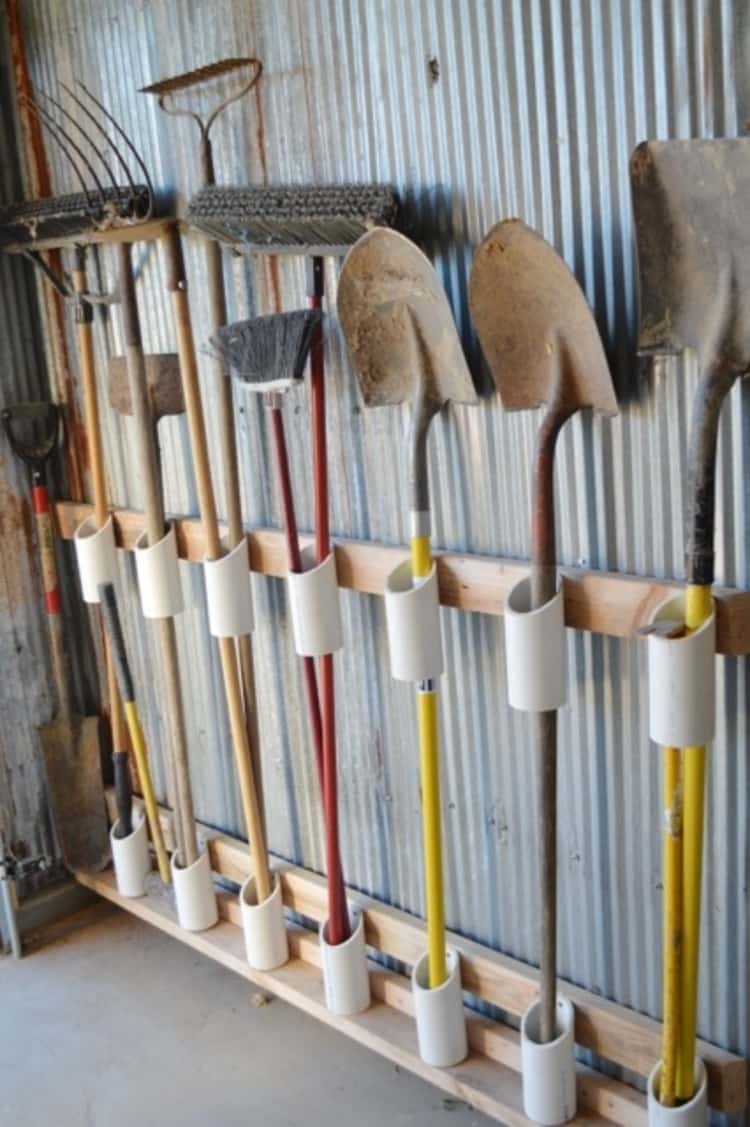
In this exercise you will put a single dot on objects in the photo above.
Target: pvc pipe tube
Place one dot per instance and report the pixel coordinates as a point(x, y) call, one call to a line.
point(439, 1013)
point(96, 556)
point(131, 859)
point(534, 651)
point(158, 575)
point(681, 681)
point(548, 1071)
point(412, 614)
point(314, 606)
point(345, 976)
point(229, 594)
point(263, 925)
point(692, 1114)
point(194, 894)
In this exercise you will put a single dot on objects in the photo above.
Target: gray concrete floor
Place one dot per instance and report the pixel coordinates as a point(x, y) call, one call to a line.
point(109, 1023)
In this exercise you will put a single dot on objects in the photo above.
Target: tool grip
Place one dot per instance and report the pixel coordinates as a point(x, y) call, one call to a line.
point(113, 626)
point(123, 793)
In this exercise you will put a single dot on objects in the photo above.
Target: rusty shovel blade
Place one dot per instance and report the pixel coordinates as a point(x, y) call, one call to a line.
point(399, 326)
point(162, 379)
point(536, 329)
point(72, 758)
point(691, 202)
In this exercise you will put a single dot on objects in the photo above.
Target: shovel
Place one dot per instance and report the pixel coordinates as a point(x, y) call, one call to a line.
point(403, 341)
point(542, 347)
point(691, 201)
point(70, 743)
point(149, 388)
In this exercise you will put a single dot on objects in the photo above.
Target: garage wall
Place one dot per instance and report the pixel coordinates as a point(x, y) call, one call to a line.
point(475, 111)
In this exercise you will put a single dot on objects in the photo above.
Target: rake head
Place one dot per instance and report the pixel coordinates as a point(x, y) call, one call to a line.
point(102, 158)
point(268, 353)
point(293, 219)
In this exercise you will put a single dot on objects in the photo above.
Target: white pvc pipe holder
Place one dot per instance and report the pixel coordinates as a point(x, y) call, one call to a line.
point(130, 858)
point(194, 894)
point(439, 1013)
point(692, 1114)
point(548, 1071)
point(158, 574)
point(412, 615)
point(229, 593)
point(314, 606)
point(263, 926)
point(96, 556)
point(345, 976)
point(534, 651)
point(681, 681)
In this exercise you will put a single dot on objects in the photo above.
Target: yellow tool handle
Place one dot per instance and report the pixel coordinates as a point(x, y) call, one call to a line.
point(149, 799)
point(429, 764)
point(672, 851)
point(698, 607)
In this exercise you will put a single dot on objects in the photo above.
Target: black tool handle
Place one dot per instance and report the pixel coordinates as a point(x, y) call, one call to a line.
point(123, 793)
point(113, 626)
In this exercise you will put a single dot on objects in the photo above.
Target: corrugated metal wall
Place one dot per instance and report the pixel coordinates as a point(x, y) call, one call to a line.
point(534, 111)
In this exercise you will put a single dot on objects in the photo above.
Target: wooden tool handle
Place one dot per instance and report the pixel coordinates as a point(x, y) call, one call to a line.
point(53, 606)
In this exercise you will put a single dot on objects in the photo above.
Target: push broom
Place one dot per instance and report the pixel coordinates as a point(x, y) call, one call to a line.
point(312, 221)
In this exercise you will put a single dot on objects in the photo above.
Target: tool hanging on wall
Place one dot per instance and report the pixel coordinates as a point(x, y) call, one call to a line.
point(149, 388)
point(313, 221)
point(403, 342)
point(70, 743)
point(69, 221)
point(691, 202)
point(177, 286)
point(542, 346)
point(113, 626)
point(236, 77)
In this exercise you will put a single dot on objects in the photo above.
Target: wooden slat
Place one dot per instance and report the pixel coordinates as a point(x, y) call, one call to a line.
point(600, 602)
point(137, 233)
point(488, 1079)
point(615, 1032)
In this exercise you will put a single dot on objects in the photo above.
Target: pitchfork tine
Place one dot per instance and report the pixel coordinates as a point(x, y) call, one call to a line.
point(98, 125)
point(57, 132)
point(74, 121)
point(119, 129)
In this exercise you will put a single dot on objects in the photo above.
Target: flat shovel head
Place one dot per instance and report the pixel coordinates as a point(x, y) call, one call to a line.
point(162, 379)
point(691, 201)
point(76, 791)
point(398, 324)
point(537, 332)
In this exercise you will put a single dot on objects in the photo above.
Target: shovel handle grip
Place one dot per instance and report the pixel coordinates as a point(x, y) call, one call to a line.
point(123, 793)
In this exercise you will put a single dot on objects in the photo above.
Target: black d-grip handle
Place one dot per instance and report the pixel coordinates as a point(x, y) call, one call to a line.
point(113, 626)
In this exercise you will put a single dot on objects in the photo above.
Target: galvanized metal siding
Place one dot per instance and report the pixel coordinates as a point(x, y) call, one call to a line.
point(534, 113)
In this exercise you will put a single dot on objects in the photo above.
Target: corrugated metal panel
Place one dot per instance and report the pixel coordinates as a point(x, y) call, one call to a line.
point(534, 113)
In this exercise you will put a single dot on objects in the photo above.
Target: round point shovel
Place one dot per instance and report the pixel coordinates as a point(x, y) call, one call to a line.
point(542, 346)
point(692, 217)
point(405, 348)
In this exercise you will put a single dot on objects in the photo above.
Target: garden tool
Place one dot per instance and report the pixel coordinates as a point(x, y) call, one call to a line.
point(542, 346)
point(177, 285)
point(691, 201)
point(70, 743)
point(69, 220)
point(113, 626)
point(183, 96)
point(148, 389)
point(268, 355)
point(314, 221)
point(405, 348)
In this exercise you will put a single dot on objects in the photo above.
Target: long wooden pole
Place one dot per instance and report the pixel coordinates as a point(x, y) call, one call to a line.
point(177, 285)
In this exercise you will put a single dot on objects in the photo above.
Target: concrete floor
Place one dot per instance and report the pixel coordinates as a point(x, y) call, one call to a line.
point(109, 1023)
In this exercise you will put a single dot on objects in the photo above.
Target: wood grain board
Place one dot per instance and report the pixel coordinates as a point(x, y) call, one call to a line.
point(596, 601)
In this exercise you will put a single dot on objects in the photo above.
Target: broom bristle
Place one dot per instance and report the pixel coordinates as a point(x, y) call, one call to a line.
point(297, 219)
point(268, 353)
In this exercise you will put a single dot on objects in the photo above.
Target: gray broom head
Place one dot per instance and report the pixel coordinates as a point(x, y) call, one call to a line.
point(268, 353)
point(293, 219)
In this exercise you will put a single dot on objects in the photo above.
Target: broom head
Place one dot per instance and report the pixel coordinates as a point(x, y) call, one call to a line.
point(268, 353)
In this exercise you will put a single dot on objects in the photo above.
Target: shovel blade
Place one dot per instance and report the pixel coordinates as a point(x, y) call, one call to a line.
point(691, 202)
point(398, 324)
point(162, 379)
point(74, 778)
point(537, 332)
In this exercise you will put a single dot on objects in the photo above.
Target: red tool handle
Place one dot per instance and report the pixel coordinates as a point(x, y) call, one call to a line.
point(339, 929)
point(46, 534)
